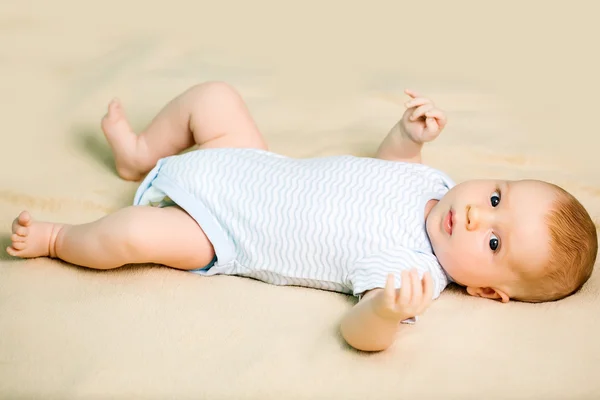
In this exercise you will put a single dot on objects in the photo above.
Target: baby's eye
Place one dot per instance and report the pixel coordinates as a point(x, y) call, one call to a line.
point(494, 243)
point(495, 198)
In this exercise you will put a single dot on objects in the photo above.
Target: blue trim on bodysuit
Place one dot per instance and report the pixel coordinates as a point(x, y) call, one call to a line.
point(224, 250)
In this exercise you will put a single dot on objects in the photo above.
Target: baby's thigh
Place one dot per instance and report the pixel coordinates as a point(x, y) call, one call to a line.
point(170, 236)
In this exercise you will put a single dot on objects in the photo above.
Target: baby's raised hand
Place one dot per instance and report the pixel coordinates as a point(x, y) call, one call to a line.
point(414, 296)
point(422, 121)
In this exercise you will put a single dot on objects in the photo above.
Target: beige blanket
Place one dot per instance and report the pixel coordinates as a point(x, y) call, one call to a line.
point(520, 85)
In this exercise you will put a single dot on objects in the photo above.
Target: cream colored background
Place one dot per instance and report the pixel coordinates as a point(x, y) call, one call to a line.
point(518, 80)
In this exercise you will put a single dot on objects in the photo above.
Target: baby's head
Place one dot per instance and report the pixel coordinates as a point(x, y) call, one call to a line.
point(523, 240)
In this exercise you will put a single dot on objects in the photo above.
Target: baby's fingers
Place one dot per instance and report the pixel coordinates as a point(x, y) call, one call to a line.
point(411, 93)
point(417, 289)
point(421, 111)
point(405, 290)
point(427, 289)
point(439, 115)
point(390, 291)
point(431, 125)
point(417, 102)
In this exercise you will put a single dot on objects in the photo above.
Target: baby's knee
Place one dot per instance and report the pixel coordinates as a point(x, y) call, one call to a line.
point(216, 92)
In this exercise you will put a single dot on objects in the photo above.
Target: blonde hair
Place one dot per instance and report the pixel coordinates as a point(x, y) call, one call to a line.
point(574, 247)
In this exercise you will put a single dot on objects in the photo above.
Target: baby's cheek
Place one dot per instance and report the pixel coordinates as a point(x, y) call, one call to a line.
point(455, 258)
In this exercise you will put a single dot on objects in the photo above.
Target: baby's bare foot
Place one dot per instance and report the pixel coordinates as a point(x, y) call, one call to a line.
point(123, 142)
point(32, 239)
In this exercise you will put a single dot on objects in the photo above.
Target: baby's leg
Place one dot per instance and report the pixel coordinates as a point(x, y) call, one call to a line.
point(211, 114)
point(131, 235)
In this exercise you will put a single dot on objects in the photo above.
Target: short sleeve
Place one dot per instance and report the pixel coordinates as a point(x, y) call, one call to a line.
point(371, 271)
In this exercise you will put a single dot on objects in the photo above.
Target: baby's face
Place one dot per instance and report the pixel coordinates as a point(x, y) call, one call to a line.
point(482, 231)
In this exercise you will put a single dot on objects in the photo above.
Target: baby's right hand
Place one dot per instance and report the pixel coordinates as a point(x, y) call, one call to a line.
point(412, 299)
point(422, 121)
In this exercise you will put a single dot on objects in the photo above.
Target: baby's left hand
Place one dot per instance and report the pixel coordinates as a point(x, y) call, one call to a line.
point(422, 121)
point(412, 299)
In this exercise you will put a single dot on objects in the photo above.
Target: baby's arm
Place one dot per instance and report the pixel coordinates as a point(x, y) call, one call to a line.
point(422, 122)
point(371, 325)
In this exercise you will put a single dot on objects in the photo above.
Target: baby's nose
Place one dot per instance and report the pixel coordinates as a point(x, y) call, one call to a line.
point(475, 217)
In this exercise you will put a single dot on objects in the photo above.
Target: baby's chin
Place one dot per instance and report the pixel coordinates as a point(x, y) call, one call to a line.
point(433, 226)
point(441, 257)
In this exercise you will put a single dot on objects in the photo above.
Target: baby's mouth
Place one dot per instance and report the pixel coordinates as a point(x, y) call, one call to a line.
point(448, 222)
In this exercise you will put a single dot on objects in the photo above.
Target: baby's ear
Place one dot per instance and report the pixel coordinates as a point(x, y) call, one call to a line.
point(489, 293)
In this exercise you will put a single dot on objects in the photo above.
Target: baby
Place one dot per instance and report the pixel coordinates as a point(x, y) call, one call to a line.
point(388, 230)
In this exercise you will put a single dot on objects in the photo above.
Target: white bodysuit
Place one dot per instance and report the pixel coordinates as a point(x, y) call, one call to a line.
point(338, 223)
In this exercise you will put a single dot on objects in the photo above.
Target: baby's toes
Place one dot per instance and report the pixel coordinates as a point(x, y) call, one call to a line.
point(18, 245)
point(24, 218)
point(21, 231)
point(114, 110)
point(15, 224)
